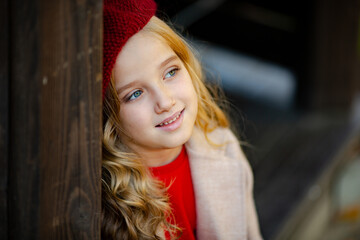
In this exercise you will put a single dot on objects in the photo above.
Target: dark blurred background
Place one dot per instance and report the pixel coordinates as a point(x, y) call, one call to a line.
point(291, 71)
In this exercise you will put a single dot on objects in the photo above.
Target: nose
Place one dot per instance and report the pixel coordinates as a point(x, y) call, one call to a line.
point(164, 100)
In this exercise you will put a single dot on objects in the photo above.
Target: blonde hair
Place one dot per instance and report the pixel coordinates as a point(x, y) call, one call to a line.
point(134, 205)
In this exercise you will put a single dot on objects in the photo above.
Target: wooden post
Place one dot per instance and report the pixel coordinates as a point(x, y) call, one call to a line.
point(55, 119)
point(335, 62)
point(4, 114)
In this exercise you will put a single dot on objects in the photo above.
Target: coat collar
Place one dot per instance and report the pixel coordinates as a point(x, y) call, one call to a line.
point(219, 185)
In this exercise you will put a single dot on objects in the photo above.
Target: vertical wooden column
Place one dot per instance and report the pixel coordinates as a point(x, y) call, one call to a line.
point(24, 142)
point(335, 62)
point(4, 114)
point(55, 120)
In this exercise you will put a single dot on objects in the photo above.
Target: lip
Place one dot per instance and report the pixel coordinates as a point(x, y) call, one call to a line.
point(173, 125)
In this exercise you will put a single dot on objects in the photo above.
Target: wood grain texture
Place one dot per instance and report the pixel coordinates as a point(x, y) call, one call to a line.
point(71, 83)
point(336, 57)
point(4, 114)
point(54, 177)
point(23, 185)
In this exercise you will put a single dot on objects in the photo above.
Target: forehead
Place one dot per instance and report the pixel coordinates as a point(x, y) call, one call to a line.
point(142, 53)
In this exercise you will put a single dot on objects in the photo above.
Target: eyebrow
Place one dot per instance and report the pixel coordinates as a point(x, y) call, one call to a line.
point(161, 65)
point(166, 61)
point(119, 90)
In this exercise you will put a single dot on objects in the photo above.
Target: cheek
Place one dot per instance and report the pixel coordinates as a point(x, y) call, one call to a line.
point(188, 93)
point(183, 87)
point(132, 119)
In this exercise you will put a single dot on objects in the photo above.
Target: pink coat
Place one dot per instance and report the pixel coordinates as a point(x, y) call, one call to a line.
point(223, 184)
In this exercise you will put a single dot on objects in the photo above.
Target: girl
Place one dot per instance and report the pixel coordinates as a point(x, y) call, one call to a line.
point(171, 167)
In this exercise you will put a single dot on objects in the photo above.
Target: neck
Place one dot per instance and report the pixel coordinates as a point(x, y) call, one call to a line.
point(160, 157)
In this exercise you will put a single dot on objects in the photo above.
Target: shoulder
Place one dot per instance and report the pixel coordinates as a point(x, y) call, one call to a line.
point(222, 181)
point(220, 141)
point(227, 152)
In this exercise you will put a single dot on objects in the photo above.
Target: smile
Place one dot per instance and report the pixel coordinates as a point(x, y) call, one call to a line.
point(171, 120)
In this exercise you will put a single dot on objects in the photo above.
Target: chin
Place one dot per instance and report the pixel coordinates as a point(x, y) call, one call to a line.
point(177, 141)
point(182, 139)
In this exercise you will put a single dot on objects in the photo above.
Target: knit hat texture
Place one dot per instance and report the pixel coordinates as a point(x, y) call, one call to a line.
point(122, 19)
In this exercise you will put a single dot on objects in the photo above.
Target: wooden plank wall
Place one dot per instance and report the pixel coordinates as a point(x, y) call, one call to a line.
point(4, 114)
point(55, 102)
point(335, 59)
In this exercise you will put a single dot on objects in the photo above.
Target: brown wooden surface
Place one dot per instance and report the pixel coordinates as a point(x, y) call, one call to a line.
point(335, 60)
point(55, 147)
point(23, 185)
point(4, 114)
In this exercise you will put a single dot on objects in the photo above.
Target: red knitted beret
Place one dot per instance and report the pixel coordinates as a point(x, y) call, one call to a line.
point(122, 19)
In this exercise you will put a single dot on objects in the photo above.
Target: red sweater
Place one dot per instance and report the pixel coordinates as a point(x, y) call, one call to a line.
point(177, 175)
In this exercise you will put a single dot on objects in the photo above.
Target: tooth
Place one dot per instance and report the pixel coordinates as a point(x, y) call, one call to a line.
point(171, 121)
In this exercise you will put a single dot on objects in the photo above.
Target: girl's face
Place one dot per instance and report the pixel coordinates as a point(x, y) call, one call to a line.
point(158, 102)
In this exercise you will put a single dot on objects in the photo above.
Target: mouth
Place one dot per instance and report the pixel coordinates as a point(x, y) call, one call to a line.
point(171, 119)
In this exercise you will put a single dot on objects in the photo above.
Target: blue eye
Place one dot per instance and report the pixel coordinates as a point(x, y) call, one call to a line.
point(171, 73)
point(135, 95)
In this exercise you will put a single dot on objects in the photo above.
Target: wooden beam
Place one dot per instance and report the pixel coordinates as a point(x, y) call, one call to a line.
point(335, 62)
point(4, 114)
point(54, 186)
